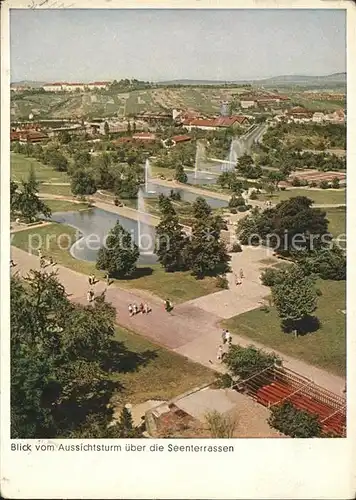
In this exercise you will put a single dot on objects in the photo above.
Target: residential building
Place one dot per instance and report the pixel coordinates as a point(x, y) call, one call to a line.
point(216, 123)
point(144, 136)
point(245, 104)
point(298, 115)
point(98, 85)
point(53, 87)
point(178, 139)
point(26, 136)
point(318, 117)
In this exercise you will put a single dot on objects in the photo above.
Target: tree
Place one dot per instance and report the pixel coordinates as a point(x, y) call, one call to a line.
point(165, 206)
point(82, 160)
point(245, 362)
point(275, 177)
point(236, 201)
point(170, 239)
point(180, 175)
point(64, 137)
point(62, 356)
point(295, 298)
point(206, 254)
point(201, 208)
point(329, 263)
point(128, 128)
point(58, 161)
point(82, 183)
point(26, 202)
point(134, 127)
point(13, 197)
point(119, 255)
point(221, 426)
point(292, 422)
point(106, 128)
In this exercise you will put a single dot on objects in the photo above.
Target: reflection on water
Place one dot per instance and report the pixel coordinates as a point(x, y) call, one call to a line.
point(95, 224)
point(188, 195)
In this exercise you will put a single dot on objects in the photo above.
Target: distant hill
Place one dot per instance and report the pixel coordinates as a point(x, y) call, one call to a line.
point(196, 82)
point(28, 83)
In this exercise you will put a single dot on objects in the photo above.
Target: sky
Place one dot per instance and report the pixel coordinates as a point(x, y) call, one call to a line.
point(156, 45)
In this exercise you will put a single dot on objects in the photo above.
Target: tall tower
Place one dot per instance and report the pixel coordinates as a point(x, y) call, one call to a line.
point(224, 108)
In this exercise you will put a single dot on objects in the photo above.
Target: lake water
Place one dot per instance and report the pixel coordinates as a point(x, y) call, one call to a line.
point(94, 225)
point(187, 195)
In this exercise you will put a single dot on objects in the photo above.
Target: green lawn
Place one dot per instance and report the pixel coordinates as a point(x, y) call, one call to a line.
point(167, 172)
point(20, 167)
point(161, 377)
point(179, 287)
point(337, 220)
point(325, 196)
point(325, 348)
point(65, 206)
point(55, 189)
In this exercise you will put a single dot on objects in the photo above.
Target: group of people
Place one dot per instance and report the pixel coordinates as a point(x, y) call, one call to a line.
point(45, 262)
point(226, 342)
point(142, 308)
point(12, 263)
point(238, 279)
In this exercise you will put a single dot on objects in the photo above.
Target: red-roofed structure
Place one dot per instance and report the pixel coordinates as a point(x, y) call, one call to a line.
point(144, 136)
point(216, 123)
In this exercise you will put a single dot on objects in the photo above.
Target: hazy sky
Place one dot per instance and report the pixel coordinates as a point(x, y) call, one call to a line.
point(84, 45)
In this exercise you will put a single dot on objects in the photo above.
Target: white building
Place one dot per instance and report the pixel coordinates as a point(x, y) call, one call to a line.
point(247, 104)
point(98, 85)
point(53, 87)
point(318, 117)
point(72, 87)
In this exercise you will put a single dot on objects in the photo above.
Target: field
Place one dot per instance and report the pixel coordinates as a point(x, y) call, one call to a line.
point(56, 240)
point(55, 189)
point(320, 197)
point(325, 348)
point(20, 167)
point(146, 381)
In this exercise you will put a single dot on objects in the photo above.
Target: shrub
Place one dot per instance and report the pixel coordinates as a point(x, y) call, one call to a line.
point(221, 282)
point(296, 182)
point(233, 211)
point(221, 426)
point(282, 188)
point(223, 381)
point(249, 207)
point(335, 183)
point(236, 247)
point(253, 195)
point(246, 361)
point(324, 185)
point(313, 184)
point(236, 201)
point(295, 423)
point(271, 277)
point(242, 208)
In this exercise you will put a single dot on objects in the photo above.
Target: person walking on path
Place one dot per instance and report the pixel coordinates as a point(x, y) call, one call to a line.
point(135, 308)
point(89, 299)
point(142, 310)
point(228, 338)
point(130, 310)
point(241, 274)
point(168, 305)
point(107, 279)
point(12, 263)
point(219, 353)
point(146, 308)
point(223, 336)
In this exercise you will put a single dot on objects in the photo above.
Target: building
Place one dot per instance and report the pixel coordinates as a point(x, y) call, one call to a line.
point(337, 116)
point(53, 87)
point(248, 104)
point(216, 123)
point(144, 136)
point(318, 117)
point(224, 109)
point(73, 87)
point(73, 130)
point(28, 136)
point(298, 115)
point(178, 139)
point(98, 85)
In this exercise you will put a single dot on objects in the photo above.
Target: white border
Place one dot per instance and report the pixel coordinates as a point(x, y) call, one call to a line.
point(259, 468)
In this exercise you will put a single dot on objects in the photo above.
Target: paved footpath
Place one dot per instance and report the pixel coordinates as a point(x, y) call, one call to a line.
point(189, 330)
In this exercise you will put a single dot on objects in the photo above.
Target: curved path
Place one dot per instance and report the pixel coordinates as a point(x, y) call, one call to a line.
point(192, 330)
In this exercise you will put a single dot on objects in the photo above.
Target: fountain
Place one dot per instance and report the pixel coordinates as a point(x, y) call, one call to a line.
point(148, 176)
point(199, 155)
point(230, 163)
point(145, 231)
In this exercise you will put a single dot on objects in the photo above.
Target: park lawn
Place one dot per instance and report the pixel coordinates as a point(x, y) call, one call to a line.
point(337, 220)
point(65, 206)
point(57, 239)
point(320, 197)
point(55, 189)
point(167, 172)
point(20, 168)
point(161, 377)
point(325, 348)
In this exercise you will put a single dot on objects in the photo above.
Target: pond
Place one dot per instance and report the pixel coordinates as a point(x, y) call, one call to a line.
point(94, 225)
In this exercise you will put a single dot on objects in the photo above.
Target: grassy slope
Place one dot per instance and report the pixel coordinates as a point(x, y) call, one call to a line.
point(337, 220)
point(147, 381)
point(65, 206)
point(180, 287)
point(20, 167)
point(325, 348)
point(325, 196)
